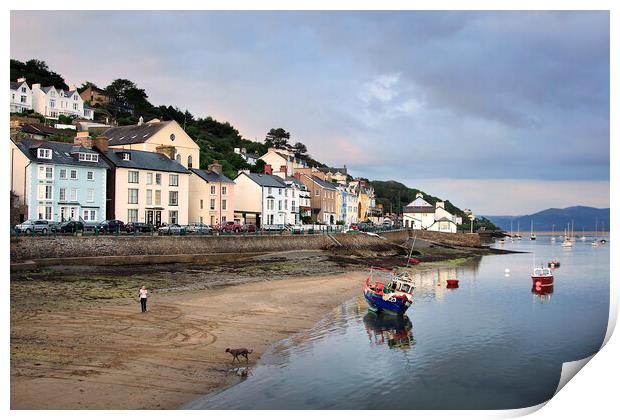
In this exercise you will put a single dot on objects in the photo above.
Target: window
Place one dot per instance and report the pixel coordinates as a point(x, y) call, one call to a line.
point(75, 106)
point(132, 195)
point(23, 99)
point(285, 204)
point(53, 94)
point(201, 204)
point(212, 189)
point(90, 195)
point(269, 190)
point(88, 157)
point(23, 90)
point(149, 178)
point(90, 215)
point(46, 172)
point(45, 192)
point(317, 193)
point(173, 180)
point(62, 194)
point(173, 216)
point(172, 136)
point(90, 175)
point(224, 190)
point(44, 153)
point(132, 215)
point(173, 198)
point(45, 212)
point(157, 179)
point(224, 204)
point(189, 161)
point(279, 191)
point(133, 177)
point(178, 158)
point(212, 204)
point(126, 156)
point(279, 204)
point(73, 174)
point(73, 194)
point(158, 197)
point(52, 104)
point(149, 197)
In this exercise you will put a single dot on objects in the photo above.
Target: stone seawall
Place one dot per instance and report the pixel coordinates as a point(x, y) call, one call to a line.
point(88, 247)
point(453, 239)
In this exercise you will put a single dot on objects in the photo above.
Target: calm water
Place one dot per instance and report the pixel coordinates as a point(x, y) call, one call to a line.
point(490, 344)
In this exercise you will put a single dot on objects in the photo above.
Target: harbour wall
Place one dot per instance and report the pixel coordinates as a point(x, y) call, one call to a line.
point(93, 250)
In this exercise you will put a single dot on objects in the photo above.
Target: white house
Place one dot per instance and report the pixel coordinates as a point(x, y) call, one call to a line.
point(279, 158)
point(52, 102)
point(263, 199)
point(20, 95)
point(420, 214)
point(248, 157)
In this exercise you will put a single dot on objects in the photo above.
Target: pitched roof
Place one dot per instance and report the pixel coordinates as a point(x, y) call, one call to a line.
point(144, 160)
point(418, 209)
point(419, 202)
point(16, 85)
point(326, 169)
point(132, 134)
point(62, 153)
point(324, 184)
point(44, 130)
point(210, 176)
point(266, 180)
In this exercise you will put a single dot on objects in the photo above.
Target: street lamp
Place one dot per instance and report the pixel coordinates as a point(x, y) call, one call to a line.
point(471, 222)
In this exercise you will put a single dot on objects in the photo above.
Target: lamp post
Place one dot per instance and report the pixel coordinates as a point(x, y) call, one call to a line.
point(471, 223)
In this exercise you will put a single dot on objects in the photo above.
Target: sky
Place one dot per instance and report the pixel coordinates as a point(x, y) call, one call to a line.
point(505, 113)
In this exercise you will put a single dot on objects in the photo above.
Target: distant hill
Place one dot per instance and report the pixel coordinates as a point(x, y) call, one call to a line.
point(583, 217)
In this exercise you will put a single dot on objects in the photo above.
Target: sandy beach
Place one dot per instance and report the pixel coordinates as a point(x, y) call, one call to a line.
point(107, 354)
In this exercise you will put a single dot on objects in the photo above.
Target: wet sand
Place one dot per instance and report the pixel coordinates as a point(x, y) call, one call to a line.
point(109, 355)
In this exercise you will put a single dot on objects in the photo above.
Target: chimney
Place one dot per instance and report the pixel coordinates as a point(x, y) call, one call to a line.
point(83, 139)
point(297, 175)
point(215, 167)
point(101, 144)
point(140, 121)
point(439, 204)
point(166, 150)
point(268, 169)
point(21, 80)
point(419, 195)
point(36, 86)
point(72, 87)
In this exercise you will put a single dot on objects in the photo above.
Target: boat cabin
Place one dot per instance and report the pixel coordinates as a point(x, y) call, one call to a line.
point(542, 272)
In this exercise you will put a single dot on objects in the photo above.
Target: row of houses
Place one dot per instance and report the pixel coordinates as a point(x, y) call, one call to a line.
point(150, 172)
point(48, 100)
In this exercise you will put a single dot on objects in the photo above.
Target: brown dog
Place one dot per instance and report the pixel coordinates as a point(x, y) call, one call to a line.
point(239, 352)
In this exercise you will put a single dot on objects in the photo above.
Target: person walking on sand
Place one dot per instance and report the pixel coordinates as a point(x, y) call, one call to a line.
point(143, 294)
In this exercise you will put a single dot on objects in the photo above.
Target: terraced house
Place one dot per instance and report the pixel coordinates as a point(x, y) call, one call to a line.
point(21, 96)
point(323, 198)
point(147, 187)
point(58, 181)
point(263, 199)
point(52, 102)
point(212, 198)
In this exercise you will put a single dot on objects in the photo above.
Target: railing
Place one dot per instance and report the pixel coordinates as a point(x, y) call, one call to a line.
point(267, 230)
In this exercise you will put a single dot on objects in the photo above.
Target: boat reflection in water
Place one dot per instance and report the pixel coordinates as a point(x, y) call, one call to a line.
point(542, 292)
point(396, 331)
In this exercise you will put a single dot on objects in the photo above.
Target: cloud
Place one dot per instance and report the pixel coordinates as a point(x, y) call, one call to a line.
point(398, 95)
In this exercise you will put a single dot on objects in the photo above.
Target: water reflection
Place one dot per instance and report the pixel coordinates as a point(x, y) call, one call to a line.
point(396, 331)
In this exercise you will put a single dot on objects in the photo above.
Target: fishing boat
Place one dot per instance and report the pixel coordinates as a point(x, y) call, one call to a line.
point(387, 292)
point(554, 263)
point(542, 277)
point(532, 236)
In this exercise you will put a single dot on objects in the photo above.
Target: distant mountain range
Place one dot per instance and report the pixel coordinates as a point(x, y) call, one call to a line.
point(583, 217)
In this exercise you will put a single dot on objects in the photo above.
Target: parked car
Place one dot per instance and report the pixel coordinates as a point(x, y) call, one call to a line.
point(112, 226)
point(200, 228)
point(366, 226)
point(229, 227)
point(354, 226)
point(36, 226)
point(249, 228)
point(387, 223)
point(172, 229)
point(71, 226)
point(139, 227)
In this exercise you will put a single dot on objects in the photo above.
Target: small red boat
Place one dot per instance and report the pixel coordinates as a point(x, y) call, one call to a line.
point(452, 282)
point(413, 261)
point(542, 277)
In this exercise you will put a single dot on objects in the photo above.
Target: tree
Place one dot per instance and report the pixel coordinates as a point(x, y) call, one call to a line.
point(36, 71)
point(277, 137)
point(300, 148)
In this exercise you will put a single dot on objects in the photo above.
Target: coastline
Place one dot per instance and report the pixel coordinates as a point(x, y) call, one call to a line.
point(90, 347)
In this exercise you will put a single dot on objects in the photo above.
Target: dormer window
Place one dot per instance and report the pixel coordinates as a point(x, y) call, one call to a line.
point(44, 153)
point(23, 90)
point(88, 157)
point(125, 156)
point(53, 94)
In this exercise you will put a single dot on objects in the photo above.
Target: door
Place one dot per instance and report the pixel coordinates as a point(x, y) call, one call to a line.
point(149, 216)
point(157, 218)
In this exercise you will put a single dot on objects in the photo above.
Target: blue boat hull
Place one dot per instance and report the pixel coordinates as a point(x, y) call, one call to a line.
point(377, 304)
